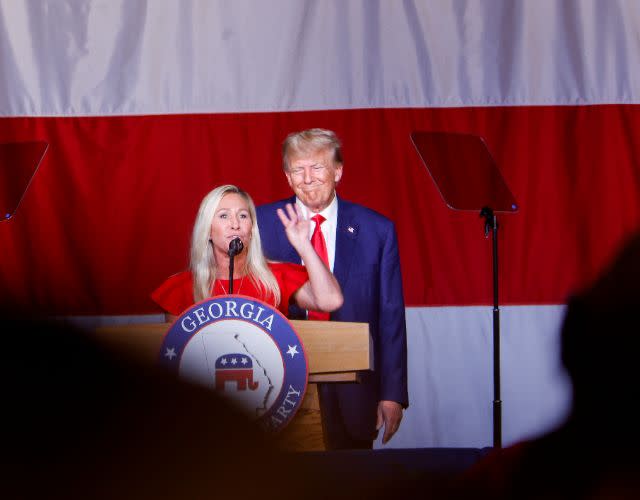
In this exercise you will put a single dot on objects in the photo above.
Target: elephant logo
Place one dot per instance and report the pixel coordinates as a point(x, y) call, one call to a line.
point(235, 367)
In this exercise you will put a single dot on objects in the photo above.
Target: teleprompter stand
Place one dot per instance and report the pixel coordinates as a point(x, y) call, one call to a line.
point(19, 162)
point(468, 179)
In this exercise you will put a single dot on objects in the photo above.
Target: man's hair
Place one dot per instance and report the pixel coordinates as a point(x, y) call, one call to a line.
point(311, 141)
point(203, 263)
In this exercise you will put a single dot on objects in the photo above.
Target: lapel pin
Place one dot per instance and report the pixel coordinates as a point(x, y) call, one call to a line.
point(351, 229)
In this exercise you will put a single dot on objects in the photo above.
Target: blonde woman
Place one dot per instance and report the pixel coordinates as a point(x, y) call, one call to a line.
point(227, 213)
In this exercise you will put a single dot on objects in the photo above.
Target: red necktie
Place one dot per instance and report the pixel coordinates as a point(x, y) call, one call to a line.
point(320, 246)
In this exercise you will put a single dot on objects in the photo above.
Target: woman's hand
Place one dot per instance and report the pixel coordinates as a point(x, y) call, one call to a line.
point(322, 291)
point(295, 226)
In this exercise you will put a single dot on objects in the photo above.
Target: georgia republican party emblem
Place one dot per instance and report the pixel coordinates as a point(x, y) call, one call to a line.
point(245, 350)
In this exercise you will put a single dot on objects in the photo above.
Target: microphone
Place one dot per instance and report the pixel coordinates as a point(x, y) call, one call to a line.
point(235, 247)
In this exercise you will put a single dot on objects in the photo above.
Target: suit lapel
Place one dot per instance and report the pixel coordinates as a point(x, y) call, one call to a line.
point(346, 239)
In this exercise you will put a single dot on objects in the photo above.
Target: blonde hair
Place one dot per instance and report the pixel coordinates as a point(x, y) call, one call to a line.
point(202, 259)
point(310, 141)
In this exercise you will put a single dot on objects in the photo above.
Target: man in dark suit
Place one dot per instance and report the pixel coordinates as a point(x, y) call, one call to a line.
point(360, 247)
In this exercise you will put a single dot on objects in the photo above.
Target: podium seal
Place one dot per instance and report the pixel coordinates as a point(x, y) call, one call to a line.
point(245, 350)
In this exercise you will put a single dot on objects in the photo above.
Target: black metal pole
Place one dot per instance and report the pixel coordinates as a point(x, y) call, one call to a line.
point(235, 247)
point(491, 224)
point(231, 274)
point(497, 403)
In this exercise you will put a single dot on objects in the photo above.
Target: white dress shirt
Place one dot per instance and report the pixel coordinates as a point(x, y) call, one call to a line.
point(328, 227)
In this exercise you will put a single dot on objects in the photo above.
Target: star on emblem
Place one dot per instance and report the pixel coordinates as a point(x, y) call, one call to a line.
point(244, 361)
point(234, 361)
point(170, 353)
point(224, 361)
point(293, 350)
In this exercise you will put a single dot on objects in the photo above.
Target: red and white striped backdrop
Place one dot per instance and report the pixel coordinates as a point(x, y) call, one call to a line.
point(148, 105)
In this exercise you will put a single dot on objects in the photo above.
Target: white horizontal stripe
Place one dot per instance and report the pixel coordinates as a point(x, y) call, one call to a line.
point(122, 57)
point(450, 354)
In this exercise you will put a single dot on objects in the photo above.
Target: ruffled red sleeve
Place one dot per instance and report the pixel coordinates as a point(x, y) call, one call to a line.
point(290, 278)
point(175, 294)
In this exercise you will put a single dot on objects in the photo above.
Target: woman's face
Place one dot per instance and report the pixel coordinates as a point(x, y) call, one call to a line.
point(231, 220)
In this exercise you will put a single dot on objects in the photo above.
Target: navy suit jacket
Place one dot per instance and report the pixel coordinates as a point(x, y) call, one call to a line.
point(367, 266)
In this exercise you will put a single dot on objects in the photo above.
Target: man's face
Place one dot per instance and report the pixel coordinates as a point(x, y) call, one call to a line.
point(313, 178)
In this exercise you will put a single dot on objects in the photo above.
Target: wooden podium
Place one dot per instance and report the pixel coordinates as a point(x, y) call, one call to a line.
point(336, 351)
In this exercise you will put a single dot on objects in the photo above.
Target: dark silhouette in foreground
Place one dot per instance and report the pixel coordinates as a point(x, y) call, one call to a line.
point(595, 454)
point(83, 421)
